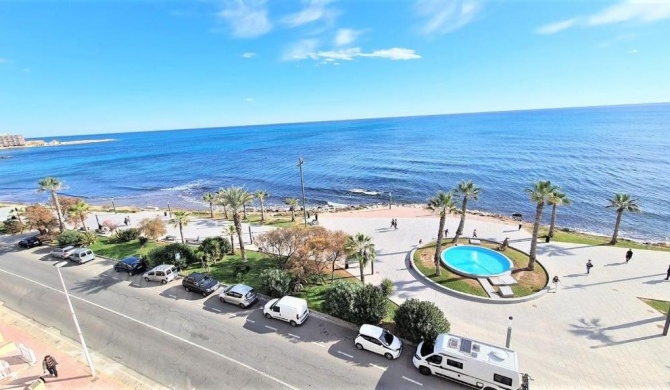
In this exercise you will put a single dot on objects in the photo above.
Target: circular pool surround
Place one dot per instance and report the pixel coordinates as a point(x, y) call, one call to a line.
point(476, 261)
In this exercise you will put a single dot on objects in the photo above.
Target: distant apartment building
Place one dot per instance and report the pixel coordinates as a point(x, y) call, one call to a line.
point(7, 140)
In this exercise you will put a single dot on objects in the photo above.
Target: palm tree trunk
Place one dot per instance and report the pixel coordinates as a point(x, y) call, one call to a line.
point(552, 224)
point(211, 210)
point(262, 212)
point(533, 242)
point(54, 196)
point(372, 266)
point(292, 214)
point(181, 233)
point(225, 212)
point(82, 221)
point(361, 266)
point(238, 227)
point(232, 243)
point(461, 224)
point(332, 273)
point(614, 239)
point(244, 210)
point(438, 246)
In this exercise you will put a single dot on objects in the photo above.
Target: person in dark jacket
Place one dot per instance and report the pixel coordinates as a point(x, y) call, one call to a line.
point(49, 364)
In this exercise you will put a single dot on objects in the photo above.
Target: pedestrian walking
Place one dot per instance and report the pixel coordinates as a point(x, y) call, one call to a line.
point(589, 265)
point(668, 276)
point(49, 364)
point(474, 233)
point(308, 215)
point(420, 241)
point(316, 216)
point(392, 222)
point(629, 255)
point(446, 232)
point(556, 280)
point(395, 224)
point(520, 226)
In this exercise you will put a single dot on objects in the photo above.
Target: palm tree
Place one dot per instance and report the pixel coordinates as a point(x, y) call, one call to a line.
point(622, 202)
point(220, 200)
point(80, 210)
point(52, 185)
point(209, 198)
point(236, 198)
point(361, 248)
point(556, 199)
point(231, 231)
point(293, 204)
point(539, 194)
point(465, 190)
point(261, 196)
point(180, 219)
point(442, 203)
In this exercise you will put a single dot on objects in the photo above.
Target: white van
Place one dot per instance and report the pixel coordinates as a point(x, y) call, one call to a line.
point(290, 309)
point(469, 362)
point(163, 273)
point(82, 255)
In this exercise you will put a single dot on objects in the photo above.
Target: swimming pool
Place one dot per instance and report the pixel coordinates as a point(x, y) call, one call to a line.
point(476, 261)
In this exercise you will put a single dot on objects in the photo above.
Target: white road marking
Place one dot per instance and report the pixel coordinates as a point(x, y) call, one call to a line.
point(379, 367)
point(115, 278)
point(252, 321)
point(345, 354)
point(269, 327)
point(259, 372)
point(412, 380)
point(216, 310)
point(172, 296)
point(292, 335)
point(319, 344)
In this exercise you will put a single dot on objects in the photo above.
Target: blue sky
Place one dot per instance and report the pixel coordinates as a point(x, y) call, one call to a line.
point(85, 67)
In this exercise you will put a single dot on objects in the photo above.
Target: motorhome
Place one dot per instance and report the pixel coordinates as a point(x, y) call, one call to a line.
point(469, 362)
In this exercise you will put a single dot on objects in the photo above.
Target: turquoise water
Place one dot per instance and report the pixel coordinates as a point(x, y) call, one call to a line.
point(590, 152)
point(475, 261)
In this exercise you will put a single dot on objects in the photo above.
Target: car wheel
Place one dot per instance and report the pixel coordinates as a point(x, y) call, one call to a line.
point(222, 300)
point(293, 323)
point(242, 306)
point(130, 273)
point(163, 281)
point(424, 370)
point(146, 279)
point(388, 356)
point(268, 316)
point(359, 346)
point(187, 289)
point(204, 293)
point(115, 269)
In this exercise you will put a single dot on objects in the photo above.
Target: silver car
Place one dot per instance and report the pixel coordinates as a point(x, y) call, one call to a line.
point(163, 273)
point(238, 294)
point(62, 253)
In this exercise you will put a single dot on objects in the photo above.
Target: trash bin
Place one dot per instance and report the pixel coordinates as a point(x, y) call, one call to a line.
point(547, 238)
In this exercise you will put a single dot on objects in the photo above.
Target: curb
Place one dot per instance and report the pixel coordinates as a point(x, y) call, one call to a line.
point(473, 298)
point(112, 370)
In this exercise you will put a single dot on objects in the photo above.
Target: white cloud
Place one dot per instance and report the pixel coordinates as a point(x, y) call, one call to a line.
point(553, 28)
point(247, 19)
point(314, 10)
point(300, 50)
point(445, 16)
point(332, 56)
point(346, 36)
point(249, 99)
point(640, 11)
point(634, 51)
point(248, 55)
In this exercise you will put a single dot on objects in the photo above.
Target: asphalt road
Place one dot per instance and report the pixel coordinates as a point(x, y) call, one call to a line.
point(185, 341)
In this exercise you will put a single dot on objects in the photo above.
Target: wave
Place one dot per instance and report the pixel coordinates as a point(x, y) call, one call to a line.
point(364, 192)
point(193, 185)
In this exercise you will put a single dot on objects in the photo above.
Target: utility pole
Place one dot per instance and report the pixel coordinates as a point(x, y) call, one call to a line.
point(302, 184)
point(113, 206)
point(389, 200)
point(509, 333)
point(667, 324)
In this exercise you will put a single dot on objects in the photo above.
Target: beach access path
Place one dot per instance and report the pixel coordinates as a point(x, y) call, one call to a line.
point(592, 333)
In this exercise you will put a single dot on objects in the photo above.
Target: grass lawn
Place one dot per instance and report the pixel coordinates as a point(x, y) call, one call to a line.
point(661, 306)
point(529, 282)
point(104, 247)
point(590, 239)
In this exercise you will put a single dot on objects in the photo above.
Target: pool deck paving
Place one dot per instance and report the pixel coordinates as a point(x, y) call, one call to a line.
point(592, 333)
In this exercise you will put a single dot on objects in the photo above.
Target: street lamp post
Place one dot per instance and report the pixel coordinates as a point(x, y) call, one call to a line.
point(389, 200)
point(169, 210)
point(302, 184)
point(98, 221)
point(113, 206)
point(509, 332)
point(74, 318)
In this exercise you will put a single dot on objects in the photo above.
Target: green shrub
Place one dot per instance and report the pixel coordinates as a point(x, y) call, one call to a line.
point(14, 226)
point(88, 238)
point(70, 237)
point(387, 287)
point(143, 240)
point(339, 300)
point(275, 282)
point(420, 320)
point(166, 255)
point(214, 248)
point(369, 306)
point(126, 235)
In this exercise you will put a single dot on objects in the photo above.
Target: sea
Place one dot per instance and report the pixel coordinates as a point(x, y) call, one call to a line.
point(591, 153)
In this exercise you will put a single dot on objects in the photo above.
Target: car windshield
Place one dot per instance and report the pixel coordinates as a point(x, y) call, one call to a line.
point(387, 338)
point(205, 280)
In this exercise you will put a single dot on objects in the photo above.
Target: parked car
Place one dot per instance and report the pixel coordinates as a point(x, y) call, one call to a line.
point(30, 242)
point(62, 253)
point(201, 283)
point(290, 309)
point(131, 264)
point(378, 340)
point(163, 273)
point(82, 255)
point(238, 294)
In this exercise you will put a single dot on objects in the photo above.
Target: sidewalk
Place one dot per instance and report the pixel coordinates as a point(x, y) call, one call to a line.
point(73, 373)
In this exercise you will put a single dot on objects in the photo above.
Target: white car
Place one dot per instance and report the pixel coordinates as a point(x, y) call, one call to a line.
point(378, 340)
point(62, 253)
point(163, 273)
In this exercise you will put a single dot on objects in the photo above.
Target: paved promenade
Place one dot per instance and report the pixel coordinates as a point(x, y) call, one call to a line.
point(592, 333)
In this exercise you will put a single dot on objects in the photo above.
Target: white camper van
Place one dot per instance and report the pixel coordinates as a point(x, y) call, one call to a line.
point(290, 309)
point(470, 362)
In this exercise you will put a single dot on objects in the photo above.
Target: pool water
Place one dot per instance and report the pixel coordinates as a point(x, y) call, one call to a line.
point(476, 261)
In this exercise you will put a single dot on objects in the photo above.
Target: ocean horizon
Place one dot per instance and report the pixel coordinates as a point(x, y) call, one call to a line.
point(590, 152)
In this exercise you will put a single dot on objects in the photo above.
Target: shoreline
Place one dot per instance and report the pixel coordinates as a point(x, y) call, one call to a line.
point(30, 143)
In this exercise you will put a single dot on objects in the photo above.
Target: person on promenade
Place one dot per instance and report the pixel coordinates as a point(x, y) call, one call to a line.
point(446, 232)
point(668, 275)
point(395, 224)
point(392, 222)
point(556, 280)
point(49, 364)
point(589, 265)
point(520, 225)
point(629, 255)
point(420, 241)
point(474, 233)
point(316, 216)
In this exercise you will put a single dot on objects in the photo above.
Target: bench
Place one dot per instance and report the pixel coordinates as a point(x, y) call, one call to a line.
point(475, 241)
point(506, 292)
point(170, 238)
